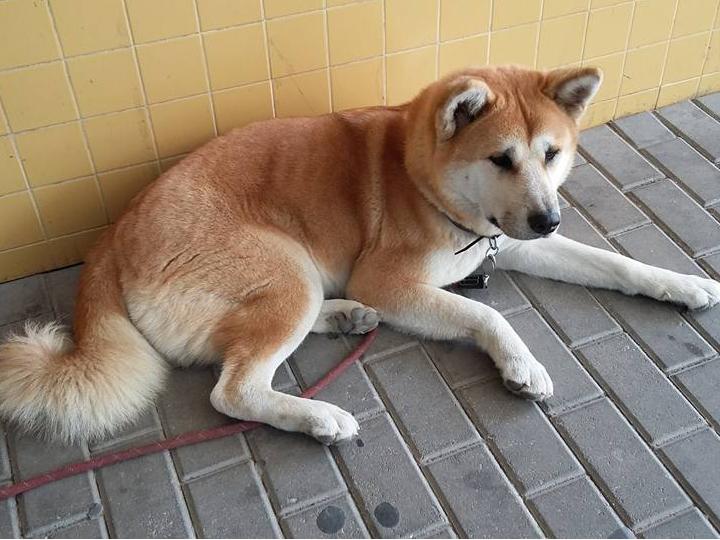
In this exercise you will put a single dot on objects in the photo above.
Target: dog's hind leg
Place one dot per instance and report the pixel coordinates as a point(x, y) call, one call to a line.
point(342, 316)
point(254, 339)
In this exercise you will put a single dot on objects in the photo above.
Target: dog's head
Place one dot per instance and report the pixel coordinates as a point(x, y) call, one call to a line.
point(490, 146)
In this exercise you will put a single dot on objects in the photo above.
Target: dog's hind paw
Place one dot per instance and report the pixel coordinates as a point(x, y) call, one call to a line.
point(346, 317)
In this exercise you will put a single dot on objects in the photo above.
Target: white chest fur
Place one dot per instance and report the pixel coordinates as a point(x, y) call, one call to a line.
point(443, 267)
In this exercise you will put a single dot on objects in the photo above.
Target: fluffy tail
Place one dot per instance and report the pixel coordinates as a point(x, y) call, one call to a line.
point(88, 390)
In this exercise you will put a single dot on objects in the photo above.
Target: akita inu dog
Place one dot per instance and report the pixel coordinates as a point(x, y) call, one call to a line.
point(325, 224)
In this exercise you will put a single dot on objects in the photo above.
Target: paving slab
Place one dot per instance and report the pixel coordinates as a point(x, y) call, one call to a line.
point(694, 125)
point(700, 384)
point(643, 129)
point(691, 524)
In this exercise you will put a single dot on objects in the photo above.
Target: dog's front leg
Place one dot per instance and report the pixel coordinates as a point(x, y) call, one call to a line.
point(560, 258)
point(435, 313)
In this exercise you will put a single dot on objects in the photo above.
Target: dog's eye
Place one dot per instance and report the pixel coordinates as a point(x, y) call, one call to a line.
point(503, 161)
point(550, 154)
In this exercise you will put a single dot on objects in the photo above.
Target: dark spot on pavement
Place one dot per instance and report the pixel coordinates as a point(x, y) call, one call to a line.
point(671, 337)
point(387, 515)
point(331, 520)
point(359, 442)
point(691, 347)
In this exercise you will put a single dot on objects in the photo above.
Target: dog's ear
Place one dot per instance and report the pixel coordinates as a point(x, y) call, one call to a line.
point(465, 104)
point(573, 89)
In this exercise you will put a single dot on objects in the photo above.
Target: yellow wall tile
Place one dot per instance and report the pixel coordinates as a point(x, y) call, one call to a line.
point(672, 93)
point(410, 23)
point(11, 178)
point(278, 8)
point(240, 106)
point(216, 14)
point(463, 53)
point(462, 18)
point(297, 44)
point(612, 68)
point(643, 69)
point(556, 8)
point(606, 3)
point(694, 16)
point(635, 103)
point(160, 19)
point(355, 32)
point(70, 207)
point(168, 163)
point(607, 30)
point(598, 113)
point(37, 96)
point(119, 187)
point(53, 154)
point(26, 32)
point(105, 82)
point(302, 95)
point(18, 210)
point(90, 25)
point(120, 139)
point(181, 126)
point(685, 58)
point(172, 69)
point(712, 61)
point(561, 41)
point(652, 22)
point(236, 56)
point(509, 13)
point(709, 83)
point(409, 72)
point(357, 85)
point(514, 46)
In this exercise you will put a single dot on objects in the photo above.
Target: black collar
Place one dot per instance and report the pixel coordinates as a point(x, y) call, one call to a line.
point(469, 231)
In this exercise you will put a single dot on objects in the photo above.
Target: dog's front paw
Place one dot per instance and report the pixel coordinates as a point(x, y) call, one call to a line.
point(527, 378)
point(694, 292)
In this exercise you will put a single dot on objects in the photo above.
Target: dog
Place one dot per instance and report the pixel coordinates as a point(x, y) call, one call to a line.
point(325, 224)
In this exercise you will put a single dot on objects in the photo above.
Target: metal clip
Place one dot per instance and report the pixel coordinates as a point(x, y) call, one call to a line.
point(473, 281)
point(487, 267)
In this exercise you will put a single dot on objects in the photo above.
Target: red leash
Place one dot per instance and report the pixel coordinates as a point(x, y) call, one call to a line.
point(185, 439)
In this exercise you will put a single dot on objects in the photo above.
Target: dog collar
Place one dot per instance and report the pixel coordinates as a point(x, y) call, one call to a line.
point(480, 278)
point(493, 239)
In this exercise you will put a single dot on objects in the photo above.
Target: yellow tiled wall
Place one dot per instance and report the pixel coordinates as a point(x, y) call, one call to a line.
point(99, 96)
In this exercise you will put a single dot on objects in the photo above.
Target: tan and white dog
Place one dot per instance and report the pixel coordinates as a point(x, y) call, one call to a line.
point(231, 255)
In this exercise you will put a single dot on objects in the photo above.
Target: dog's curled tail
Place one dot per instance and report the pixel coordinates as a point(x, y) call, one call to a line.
point(87, 390)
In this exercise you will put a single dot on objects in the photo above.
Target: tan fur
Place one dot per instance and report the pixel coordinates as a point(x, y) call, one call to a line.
point(229, 254)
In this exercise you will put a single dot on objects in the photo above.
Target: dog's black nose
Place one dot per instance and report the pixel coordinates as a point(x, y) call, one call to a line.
point(544, 223)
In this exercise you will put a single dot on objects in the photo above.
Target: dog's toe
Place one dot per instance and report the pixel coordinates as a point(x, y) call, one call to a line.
point(529, 380)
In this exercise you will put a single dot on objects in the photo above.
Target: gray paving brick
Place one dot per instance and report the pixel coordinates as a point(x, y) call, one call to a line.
point(686, 221)
point(688, 525)
point(695, 173)
point(696, 460)
point(659, 329)
point(602, 201)
point(572, 384)
point(143, 500)
point(89, 528)
point(231, 504)
point(578, 159)
point(295, 468)
point(62, 287)
point(18, 327)
point(23, 299)
point(501, 295)
point(707, 323)
point(146, 427)
point(445, 532)
point(696, 126)
point(578, 510)
point(9, 523)
point(712, 263)
point(711, 103)
point(421, 403)
point(337, 518)
point(562, 201)
point(574, 314)
point(352, 390)
point(5, 471)
point(460, 362)
point(617, 158)
point(387, 341)
point(482, 501)
point(650, 245)
point(525, 441)
point(185, 406)
point(627, 472)
point(44, 506)
point(576, 227)
point(701, 385)
point(643, 129)
point(386, 482)
point(638, 386)
point(284, 378)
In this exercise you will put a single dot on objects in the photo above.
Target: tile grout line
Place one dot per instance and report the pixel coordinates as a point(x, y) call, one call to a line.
point(206, 71)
